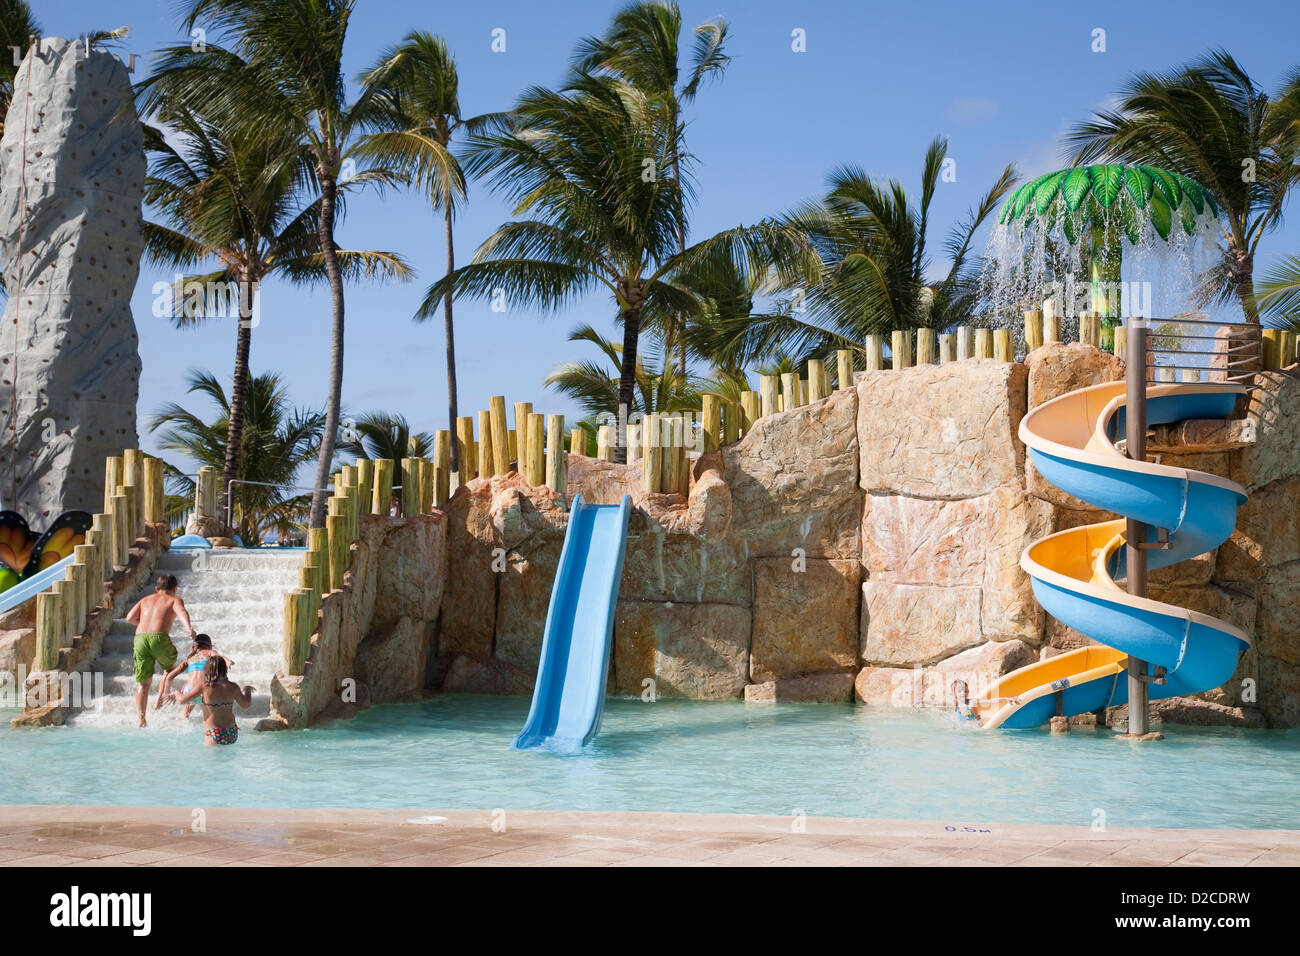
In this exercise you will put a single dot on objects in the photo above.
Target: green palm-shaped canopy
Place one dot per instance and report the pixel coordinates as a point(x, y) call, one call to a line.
point(1112, 192)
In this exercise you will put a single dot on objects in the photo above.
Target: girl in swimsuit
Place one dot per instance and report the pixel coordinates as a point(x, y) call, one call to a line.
point(219, 695)
point(192, 666)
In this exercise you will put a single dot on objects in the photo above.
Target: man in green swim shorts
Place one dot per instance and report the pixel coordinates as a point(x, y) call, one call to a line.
point(153, 617)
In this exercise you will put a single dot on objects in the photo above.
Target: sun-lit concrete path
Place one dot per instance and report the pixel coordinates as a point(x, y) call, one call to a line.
point(181, 836)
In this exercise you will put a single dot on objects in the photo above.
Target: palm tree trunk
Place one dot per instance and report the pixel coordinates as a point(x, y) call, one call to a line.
point(679, 330)
point(238, 399)
point(451, 350)
point(325, 232)
point(627, 380)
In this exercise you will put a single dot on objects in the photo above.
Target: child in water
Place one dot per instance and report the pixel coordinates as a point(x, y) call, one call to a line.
point(219, 696)
point(192, 666)
point(964, 710)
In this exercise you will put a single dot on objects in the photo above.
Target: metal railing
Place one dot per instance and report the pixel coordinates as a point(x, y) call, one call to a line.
point(1239, 358)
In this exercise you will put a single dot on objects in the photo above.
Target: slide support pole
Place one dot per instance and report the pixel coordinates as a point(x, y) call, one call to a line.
point(1136, 420)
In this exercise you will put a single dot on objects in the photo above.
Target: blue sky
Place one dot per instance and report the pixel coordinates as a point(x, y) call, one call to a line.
point(876, 83)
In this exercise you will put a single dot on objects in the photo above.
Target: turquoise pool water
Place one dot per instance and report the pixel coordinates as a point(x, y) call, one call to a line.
point(692, 756)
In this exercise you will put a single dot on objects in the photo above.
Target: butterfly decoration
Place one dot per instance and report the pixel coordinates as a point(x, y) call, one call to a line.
point(24, 553)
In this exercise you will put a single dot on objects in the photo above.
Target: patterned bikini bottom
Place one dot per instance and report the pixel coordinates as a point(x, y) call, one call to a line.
point(223, 735)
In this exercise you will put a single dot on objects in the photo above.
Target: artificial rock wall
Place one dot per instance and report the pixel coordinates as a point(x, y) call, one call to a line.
point(70, 200)
point(868, 546)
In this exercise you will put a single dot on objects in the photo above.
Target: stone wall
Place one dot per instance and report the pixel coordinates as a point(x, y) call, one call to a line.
point(374, 636)
point(868, 545)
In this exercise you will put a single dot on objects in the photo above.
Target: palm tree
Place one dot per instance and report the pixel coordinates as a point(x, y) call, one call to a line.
point(596, 388)
point(230, 197)
point(641, 47)
point(17, 26)
point(872, 239)
point(283, 71)
point(1278, 292)
point(577, 161)
point(277, 440)
point(1210, 121)
point(415, 97)
point(386, 435)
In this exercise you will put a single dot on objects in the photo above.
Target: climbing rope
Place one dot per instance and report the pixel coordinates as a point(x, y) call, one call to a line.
point(18, 289)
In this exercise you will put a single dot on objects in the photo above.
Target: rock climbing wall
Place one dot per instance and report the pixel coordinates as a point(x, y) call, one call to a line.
point(70, 200)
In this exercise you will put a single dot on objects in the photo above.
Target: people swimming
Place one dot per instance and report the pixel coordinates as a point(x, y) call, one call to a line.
point(219, 696)
point(192, 666)
point(153, 617)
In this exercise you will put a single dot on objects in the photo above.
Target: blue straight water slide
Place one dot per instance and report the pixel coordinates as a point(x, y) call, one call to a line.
point(569, 695)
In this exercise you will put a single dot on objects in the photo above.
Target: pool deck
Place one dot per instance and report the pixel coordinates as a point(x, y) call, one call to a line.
point(167, 836)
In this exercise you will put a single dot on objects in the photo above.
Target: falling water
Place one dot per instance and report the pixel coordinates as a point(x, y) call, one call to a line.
point(1029, 259)
point(237, 598)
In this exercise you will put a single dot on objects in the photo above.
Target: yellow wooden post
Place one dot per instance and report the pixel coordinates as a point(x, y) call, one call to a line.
point(900, 344)
point(102, 526)
point(486, 466)
point(428, 486)
point(683, 469)
point(555, 461)
point(633, 442)
point(767, 385)
point(365, 486)
point(297, 633)
point(122, 539)
point(522, 411)
point(309, 576)
point(533, 437)
point(1287, 357)
point(947, 348)
point(671, 439)
point(605, 442)
point(983, 343)
point(749, 410)
point(1089, 328)
point(337, 527)
point(318, 543)
point(133, 475)
point(1272, 350)
point(815, 369)
point(1051, 321)
point(382, 499)
point(1003, 348)
point(500, 436)
point(652, 459)
point(578, 442)
point(512, 441)
point(1121, 340)
point(731, 416)
point(965, 343)
point(410, 486)
point(875, 352)
point(49, 630)
point(441, 467)
point(152, 509)
point(712, 413)
point(466, 448)
point(790, 389)
point(844, 368)
point(75, 593)
point(87, 555)
point(927, 347)
point(1033, 329)
point(113, 478)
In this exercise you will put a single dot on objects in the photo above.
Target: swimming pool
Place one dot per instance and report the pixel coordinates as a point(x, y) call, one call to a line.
point(690, 756)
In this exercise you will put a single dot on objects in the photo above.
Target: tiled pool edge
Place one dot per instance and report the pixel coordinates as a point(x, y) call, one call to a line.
point(181, 836)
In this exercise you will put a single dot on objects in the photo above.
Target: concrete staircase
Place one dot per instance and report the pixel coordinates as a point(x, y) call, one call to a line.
point(234, 596)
